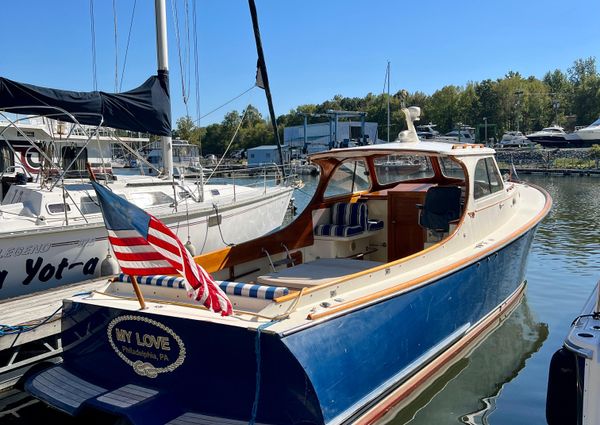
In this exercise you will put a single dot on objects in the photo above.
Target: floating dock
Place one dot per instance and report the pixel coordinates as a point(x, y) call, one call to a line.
point(30, 329)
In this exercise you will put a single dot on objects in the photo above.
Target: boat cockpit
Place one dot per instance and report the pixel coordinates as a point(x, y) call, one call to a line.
point(372, 209)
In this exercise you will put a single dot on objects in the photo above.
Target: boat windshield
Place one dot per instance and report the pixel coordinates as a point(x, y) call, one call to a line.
point(398, 168)
point(350, 177)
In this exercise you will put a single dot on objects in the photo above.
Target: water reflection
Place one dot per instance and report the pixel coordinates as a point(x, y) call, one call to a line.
point(468, 391)
point(572, 230)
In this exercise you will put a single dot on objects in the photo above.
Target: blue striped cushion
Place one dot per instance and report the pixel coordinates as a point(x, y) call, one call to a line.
point(348, 214)
point(231, 288)
point(337, 230)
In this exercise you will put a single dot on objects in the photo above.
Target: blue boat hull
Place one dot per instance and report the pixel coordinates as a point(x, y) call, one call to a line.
point(327, 373)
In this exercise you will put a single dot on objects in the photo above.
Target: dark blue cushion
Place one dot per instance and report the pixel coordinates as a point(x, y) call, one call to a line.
point(347, 214)
point(373, 225)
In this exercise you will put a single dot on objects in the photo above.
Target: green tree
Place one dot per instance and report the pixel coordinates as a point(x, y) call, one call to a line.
point(586, 90)
point(444, 109)
point(185, 129)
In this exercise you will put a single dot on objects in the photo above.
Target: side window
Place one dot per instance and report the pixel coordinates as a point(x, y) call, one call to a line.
point(487, 178)
point(58, 208)
point(89, 205)
point(496, 183)
point(350, 177)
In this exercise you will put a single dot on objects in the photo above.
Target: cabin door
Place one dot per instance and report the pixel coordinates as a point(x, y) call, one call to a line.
point(69, 153)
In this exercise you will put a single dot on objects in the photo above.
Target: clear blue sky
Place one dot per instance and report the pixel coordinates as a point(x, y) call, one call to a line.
point(314, 49)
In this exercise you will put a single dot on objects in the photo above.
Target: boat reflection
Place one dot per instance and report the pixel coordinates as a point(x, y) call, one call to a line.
point(468, 390)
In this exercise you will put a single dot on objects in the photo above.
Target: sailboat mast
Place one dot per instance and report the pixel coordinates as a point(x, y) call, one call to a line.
point(162, 55)
point(262, 69)
point(388, 102)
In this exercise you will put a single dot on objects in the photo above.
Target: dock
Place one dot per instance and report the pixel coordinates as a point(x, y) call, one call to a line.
point(30, 329)
point(554, 171)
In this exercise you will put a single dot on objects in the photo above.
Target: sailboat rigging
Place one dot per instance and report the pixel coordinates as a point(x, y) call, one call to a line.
point(53, 237)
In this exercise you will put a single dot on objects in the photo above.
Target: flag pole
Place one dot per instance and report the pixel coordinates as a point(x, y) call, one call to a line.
point(138, 292)
point(136, 287)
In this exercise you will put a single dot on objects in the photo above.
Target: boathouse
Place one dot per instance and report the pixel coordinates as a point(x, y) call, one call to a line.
point(266, 155)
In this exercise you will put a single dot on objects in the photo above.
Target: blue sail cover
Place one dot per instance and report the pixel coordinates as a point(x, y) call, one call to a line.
point(146, 108)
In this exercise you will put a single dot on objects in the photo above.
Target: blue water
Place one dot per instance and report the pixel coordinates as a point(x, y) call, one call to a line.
point(504, 380)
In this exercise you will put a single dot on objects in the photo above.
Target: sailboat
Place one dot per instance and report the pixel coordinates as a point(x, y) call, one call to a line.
point(51, 230)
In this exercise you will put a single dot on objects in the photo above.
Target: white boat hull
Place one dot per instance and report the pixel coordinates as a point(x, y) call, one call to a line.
point(48, 258)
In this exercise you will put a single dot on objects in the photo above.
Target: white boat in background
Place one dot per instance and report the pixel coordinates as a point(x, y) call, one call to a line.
point(186, 159)
point(303, 167)
point(464, 134)
point(30, 143)
point(585, 136)
point(54, 235)
point(553, 136)
point(427, 131)
point(51, 229)
point(401, 165)
point(515, 139)
point(574, 377)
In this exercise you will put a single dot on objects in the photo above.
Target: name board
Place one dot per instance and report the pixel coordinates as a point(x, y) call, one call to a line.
point(146, 345)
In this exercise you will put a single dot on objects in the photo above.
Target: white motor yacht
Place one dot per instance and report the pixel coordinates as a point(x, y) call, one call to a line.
point(427, 131)
point(553, 136)
point(586, 136)
point(515, 139)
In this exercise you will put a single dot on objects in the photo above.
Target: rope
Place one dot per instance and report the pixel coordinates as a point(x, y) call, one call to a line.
point(27, 327)
point(127, 45)
point(116, 45)
point(187, 45)
point(219, 226)
point(258, 374)
point(225, 104)
point(292, 307)
point(228, 146)
point(181, 67)
point(196, 73)
point(93, 31)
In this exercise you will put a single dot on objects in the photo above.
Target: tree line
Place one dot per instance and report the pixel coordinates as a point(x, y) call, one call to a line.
point(569, 99)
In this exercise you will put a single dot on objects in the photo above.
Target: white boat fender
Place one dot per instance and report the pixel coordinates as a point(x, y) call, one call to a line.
point(190, 247)
point(109, 266)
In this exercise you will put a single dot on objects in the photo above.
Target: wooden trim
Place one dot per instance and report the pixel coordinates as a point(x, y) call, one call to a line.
point(430, 371)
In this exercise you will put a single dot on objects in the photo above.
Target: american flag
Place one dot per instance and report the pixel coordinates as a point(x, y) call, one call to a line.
point(145, 246)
